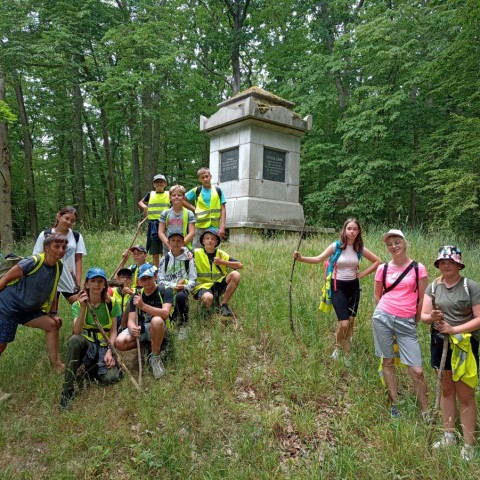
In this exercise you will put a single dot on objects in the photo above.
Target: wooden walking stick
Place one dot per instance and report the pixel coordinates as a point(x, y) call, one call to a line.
point(139, 351)
point(438, 390)
point(292, 325)
point(107, 338)
point(131, 245)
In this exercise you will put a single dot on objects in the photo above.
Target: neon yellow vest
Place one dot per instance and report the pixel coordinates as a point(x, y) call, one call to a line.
point(157, 203)
point(122, 300)
point(208, 216)
point(208, 274)
point(90, 330)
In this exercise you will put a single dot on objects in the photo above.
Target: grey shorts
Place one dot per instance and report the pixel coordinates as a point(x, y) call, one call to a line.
point(385, 326)
point(144, 336)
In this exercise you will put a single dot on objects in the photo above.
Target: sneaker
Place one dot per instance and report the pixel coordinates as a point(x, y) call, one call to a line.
point(66, 399)
point(4, 396)
point(336, 354)
point(467, 453)
point(157, 365)
point(225, 310)
point(447, 440)
point(182, 333)
point(394, 413)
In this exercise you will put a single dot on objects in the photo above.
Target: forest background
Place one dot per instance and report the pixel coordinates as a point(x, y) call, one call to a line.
point(98, 96)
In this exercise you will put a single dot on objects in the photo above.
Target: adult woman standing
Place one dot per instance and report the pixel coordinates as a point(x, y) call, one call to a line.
point(452, 306)
point(346, 286)
point(399, 289)
point(64, 221)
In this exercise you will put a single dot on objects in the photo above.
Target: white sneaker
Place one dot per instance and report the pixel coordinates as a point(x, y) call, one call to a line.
point(157, 365)
point(447, 440)
point(336, 354)
point(467, 453)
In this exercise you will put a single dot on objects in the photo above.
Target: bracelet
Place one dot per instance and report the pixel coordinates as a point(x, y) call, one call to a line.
point(54, 312)
point(109, 347)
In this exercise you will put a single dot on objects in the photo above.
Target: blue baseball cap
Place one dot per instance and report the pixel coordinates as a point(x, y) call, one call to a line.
point(96, 272)
point(146, 270)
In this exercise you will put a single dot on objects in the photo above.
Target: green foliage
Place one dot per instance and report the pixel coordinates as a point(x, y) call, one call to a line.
point(6, 115)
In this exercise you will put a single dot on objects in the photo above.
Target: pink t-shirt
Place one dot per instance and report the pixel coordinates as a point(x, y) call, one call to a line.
point(402, 300)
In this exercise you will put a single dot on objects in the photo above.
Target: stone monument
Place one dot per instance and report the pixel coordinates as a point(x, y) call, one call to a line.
point(255, 158)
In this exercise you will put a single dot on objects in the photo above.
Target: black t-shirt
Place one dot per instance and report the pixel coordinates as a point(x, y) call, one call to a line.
point(154, 300)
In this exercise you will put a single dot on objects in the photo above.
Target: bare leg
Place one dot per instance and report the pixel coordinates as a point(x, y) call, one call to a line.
point(157, 332)
point(390, 379)
point(3, 395)
point(51, 329)
point(468, 410)
point(233, 279)
point(448, 402)
point(341, 335)
point(348, 340)
point(419, 386)
point(207, 299)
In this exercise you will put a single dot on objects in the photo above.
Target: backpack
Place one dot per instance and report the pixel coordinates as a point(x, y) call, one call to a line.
point(199, 189)
point(12, 259)
point(330, 265)
point(76, 235)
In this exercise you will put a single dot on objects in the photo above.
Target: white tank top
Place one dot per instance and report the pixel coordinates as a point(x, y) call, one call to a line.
point(347, 264)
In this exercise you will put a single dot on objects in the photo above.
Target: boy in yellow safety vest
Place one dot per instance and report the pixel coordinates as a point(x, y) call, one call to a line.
point(153, 204)
point(210, 206)
point(213, 279)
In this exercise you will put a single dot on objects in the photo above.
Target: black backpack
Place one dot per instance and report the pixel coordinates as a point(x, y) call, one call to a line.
point(76, 235)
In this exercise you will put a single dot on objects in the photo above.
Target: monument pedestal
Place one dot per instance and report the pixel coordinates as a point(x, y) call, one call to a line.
point(255, 158)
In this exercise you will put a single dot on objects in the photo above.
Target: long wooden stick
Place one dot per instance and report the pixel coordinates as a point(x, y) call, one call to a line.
point(292, 325)
point(107, 339)
point(131, 245)
point(139, 351)
point(438, 390)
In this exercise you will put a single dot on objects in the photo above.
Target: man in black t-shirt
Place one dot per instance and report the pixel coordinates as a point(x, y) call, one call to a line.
point(149, 326)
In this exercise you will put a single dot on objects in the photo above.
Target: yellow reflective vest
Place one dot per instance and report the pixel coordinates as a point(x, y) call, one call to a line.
point(90, 330)
point(464, 365)
point(157, 203)
point(208, 216)
point(121, 299)
point(209, 273)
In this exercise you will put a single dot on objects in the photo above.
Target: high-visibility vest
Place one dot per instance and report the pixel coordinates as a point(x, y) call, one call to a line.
point(209, 273)
point(120, 298)
point(208, 216)
point(184, 225)
point(157, 203)
point(90, 330)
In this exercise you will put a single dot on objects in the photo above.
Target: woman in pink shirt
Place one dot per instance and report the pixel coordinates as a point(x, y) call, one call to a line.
point(399, 288)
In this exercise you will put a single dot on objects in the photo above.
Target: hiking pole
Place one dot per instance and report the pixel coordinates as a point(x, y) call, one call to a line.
point(131, 245)
point(292, 325)
point(438, 390)
point(139, 351)
point(107, 338)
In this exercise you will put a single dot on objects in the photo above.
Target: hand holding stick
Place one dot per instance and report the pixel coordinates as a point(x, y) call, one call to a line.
point(107, 338)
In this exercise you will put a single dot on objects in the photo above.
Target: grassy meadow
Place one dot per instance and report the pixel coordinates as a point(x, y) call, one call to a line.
point(238, 401)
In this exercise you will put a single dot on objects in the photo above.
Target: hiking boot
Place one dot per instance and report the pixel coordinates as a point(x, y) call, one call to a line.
point(467, 453)
point(447, 440)
point(225, 310)
point(394, 413)
point(157, 365)
point(66, 399)
point(336, 354)
point(4, 396)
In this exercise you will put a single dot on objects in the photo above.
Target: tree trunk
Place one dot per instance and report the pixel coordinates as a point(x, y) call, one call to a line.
point(148, 162)
point(6, 235)
point(111, 173)
point(28, 153)
point(79, 179)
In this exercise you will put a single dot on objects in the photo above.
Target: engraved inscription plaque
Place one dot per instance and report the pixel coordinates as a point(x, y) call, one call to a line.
point(274, 165)
point(229, 165)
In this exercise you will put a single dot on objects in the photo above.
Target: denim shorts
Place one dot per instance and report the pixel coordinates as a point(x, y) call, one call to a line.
point(385, 327)
point(9, 324)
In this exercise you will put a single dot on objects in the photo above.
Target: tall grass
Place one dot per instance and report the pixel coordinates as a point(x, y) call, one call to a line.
point(239, 401)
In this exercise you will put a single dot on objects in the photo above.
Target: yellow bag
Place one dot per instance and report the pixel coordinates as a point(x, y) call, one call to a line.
point(326, 295)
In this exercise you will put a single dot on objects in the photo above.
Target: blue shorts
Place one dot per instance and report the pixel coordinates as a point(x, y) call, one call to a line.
point(385, 326)
point(9, 324)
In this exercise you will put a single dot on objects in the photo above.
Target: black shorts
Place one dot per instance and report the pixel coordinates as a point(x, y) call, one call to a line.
point(217, 289)
point(436, 347)
point(345, 298)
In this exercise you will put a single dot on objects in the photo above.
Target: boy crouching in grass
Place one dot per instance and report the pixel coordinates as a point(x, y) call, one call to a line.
point(212, 277)
point(149, 326)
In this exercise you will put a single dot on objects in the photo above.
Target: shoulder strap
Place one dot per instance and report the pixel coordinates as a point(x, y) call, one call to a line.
point(167, 259)
point(219, 191)
point(465, 286)
point(76, 235)
point(400, 278)
point(197, 191)
point(384, 276)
